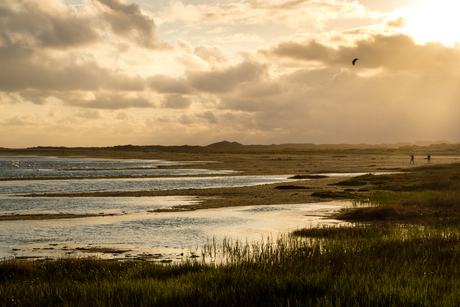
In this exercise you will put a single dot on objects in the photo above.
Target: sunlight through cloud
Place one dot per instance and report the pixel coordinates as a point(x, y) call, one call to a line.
point(435, 20)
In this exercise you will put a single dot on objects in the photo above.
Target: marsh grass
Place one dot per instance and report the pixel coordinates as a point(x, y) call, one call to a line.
point(428, 195)
point(332, 266)
point(409, 258)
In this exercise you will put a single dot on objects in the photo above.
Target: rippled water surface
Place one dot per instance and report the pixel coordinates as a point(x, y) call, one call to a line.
point(88, 170)
point(130, 223)
point(142, 184)
point(89, 205)
point(147, 232)
point(43, 167)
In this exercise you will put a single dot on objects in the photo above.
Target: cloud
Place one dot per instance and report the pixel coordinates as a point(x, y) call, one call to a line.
point(23, 72)
point(167, 84)
point(34, 36)
point(88, 114)
point(392, 52)
point(60, 26)
point(278, 71)
point(210, 54)
point(128, 21)
point(400, 22)
point(226, 80)
point(111, 101)
point(208, 116)
point(293, 13)
point(54, 26)
point(19, 121)
point(240, 37)
point(122, 116)
point(177, 102)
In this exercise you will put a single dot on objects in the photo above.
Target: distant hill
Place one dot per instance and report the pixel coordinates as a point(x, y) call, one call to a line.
point(429, 143)
point(235, 147)
point(226, 145)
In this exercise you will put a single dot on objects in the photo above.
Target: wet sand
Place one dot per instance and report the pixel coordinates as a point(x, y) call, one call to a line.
point(277, 163)
point(260, 163)
point(171, 244)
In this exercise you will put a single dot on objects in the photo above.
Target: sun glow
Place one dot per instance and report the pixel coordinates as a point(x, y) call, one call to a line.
point(435, 20)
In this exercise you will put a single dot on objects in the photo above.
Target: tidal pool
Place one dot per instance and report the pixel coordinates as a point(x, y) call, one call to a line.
point(129, 227)
point(167, 234)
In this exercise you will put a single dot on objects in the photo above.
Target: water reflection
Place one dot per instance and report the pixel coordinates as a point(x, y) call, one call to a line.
point(90, 205)
point(134, 227)
point(154, 232)
point(45, 167)
point(139, 184)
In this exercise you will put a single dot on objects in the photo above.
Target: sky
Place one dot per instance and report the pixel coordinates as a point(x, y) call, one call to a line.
point(194, 72)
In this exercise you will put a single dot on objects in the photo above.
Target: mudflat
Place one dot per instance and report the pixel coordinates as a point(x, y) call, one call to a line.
point(304, 164)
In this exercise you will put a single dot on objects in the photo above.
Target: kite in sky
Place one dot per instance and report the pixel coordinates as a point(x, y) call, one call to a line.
point(354, 61)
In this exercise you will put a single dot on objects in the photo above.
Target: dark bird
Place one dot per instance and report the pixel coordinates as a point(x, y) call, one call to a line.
point(354, 61)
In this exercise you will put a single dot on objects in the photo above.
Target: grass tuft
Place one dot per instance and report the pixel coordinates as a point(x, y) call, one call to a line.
point(409, 258)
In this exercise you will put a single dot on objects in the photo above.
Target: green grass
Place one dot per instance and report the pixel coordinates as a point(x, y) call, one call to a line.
point(353, 266)
point(406, 253)
point(428, 195)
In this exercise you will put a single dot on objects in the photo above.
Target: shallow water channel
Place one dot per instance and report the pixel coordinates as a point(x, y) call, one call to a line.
point(140, 233)
point(129, 227)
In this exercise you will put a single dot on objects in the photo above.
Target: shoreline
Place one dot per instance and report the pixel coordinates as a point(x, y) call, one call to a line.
point(306, 165)
point(274, 226)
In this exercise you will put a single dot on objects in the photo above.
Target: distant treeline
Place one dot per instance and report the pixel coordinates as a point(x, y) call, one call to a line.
point(421, 146)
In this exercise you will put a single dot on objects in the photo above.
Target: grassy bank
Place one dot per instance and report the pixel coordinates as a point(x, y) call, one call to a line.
point(335, 267)
point(406, 254)
point(428, 195)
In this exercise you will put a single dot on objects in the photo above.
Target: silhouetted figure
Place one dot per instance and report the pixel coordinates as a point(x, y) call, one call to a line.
point(412, 159)
point(429, 158)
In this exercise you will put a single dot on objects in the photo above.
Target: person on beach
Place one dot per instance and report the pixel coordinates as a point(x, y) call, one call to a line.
point(429, 158)
point(412, 159)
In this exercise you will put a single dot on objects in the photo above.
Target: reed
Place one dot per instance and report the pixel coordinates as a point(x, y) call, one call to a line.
point(360, 265)
point(410, 259)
